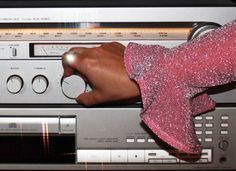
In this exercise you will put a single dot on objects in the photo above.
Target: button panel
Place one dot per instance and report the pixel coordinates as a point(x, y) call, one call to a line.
point(138, 156)
point(205, 126)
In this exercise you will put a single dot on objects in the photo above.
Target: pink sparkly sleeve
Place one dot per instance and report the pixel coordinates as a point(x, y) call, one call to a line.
point(173, 82)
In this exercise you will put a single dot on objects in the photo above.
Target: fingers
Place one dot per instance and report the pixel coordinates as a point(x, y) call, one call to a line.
point(78, 50)
point(73, 59)
point(89, 98)
point(70, 60)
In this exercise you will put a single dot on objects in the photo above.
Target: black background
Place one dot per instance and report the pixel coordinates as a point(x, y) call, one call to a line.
point(115, 3)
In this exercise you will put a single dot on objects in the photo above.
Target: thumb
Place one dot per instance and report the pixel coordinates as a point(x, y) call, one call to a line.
point(89, 98)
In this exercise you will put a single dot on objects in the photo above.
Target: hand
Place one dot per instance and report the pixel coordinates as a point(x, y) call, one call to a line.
point(103, 68)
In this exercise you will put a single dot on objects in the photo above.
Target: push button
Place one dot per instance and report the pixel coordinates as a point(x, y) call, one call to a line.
point(67, 125)
point(136, 156)
point(141, 140)
point(130, 140)
point(119, 156)
point(224, 117)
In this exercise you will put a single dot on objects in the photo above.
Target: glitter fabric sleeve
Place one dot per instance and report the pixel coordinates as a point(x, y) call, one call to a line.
point(173, 82)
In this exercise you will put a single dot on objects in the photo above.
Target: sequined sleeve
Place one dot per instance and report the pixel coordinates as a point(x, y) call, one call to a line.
point(173, 82)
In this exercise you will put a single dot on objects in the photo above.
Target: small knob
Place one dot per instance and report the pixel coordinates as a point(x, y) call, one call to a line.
point(223, 145)
point(14, 84)
point(73, 86)
point(39, 84)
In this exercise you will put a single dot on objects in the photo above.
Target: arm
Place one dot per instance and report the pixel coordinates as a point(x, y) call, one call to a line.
point(170, 80)
point(184, 73)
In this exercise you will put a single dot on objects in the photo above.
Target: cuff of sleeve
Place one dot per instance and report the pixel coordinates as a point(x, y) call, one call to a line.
point(139, 61)
point(140, 58)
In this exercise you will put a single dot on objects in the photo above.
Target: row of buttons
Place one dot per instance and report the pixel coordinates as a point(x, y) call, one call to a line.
point(139, 140)
point(200, 125)
point(135, 156)
point(208, 139)
point(224, 125)
point(209, 132)
point(206, 117)
point(223, 117)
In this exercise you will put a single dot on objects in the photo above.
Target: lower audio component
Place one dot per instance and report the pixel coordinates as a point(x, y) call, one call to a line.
point(69, 136)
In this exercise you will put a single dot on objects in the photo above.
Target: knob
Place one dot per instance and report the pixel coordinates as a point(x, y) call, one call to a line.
point(223, 145)
point(73, 86)
point(14, 84)
point(39, 84)
point(201, 29)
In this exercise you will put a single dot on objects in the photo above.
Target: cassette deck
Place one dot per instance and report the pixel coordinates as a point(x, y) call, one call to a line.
point(38, 113)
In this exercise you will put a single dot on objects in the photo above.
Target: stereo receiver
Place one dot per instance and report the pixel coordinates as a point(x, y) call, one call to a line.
point(43, 128)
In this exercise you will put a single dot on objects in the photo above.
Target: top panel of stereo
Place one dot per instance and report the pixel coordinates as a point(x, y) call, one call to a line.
point(32, 41)
point(116, 3)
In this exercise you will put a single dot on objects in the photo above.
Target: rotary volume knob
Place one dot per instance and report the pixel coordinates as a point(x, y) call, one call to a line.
point(14, 84)
point(201, 29)
point(73, 86)
point(39, 84)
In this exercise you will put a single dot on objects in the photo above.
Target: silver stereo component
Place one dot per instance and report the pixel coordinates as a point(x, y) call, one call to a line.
point(107, 139)
point(31, 58)
point(43, 128)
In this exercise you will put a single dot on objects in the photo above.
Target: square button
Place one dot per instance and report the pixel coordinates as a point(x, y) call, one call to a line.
point(67, 125)
point(198, 132)
point(130, 140)
point(224, 132)
point(136, 156)
point(224, 125)
point(141, 140)
point(198, 118)
point(150, 140)
point(208, 132)
point(224, 117)
point(198, 125)
point(209, 117)
point(119, 156)
point(209, 125)
point(208, 139)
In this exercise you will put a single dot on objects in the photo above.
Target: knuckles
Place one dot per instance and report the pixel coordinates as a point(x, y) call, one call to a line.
point(89, 63)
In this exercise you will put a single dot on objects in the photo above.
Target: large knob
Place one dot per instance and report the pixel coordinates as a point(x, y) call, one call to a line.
point(201, 29)
point(14, 84)
point(39, 84)
point(73, 86)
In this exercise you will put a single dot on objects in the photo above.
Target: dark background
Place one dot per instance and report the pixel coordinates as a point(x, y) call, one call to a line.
point(115, 3)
